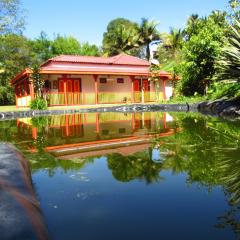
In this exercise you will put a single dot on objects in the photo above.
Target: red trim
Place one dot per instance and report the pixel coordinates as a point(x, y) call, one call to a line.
point(24, 73)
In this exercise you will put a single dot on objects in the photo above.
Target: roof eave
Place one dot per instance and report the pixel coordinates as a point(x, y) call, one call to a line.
point(19, 76)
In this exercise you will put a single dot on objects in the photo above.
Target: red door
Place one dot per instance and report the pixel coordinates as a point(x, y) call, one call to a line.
point(146, 85)
point(77, 91)
point(69, 86)
point(136, 85)
point(137, 90)
point(69, 92)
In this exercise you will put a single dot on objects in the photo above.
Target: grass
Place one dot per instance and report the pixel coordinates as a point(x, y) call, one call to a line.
point(182, 99)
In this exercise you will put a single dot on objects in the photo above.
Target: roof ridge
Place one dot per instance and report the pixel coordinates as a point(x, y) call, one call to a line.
point(117, 57)
point(120, 59)
point(76, 55)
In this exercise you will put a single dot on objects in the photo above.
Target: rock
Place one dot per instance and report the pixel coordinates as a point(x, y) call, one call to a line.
point(227, 108)
point(20, 214)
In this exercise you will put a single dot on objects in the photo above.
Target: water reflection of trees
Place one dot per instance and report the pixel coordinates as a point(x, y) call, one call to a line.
point(208, 151)
point(137, 166)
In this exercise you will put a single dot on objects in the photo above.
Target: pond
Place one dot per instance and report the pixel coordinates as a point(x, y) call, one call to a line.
point(133, 175)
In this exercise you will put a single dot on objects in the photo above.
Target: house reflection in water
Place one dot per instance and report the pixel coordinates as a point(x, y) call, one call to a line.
point(95, 134)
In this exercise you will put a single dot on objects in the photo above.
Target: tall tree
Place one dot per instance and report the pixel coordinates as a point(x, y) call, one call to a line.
point(148, 33)
point(192, 26)
point(15, 55)
point(122, 36)
point(175, 39)
point(65, 45)
point(41, 47)
point(229, 60)
point(234, 10)
point(11, 17)
point(202, 48)
point(87, 49)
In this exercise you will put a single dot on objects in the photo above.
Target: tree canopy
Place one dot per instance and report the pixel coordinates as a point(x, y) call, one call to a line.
point(15, 55)
point(199, 53)
point(121, 37)
point(11, 17)
point(125, 36)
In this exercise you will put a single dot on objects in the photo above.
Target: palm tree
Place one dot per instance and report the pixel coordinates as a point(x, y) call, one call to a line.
point(122, 36)
point(175, 39)
point(148, 32)
point(229, 63)
point(219, 17)
point(191, 26)
point(126, 41)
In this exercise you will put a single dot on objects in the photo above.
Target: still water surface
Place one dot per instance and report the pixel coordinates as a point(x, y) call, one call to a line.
point(133, 176)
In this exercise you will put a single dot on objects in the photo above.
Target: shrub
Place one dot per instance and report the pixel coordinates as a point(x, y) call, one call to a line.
point(39, 122)
point(221, 90)
point(38, 104)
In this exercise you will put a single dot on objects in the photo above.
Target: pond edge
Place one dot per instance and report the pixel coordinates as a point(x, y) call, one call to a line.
point(121, 108)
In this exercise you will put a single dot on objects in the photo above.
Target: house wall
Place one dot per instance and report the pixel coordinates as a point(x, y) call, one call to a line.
point(113, 86)
point(23, 101)
point(87, 83)
point(52, 78)
point(109, 92)
point(169, 89)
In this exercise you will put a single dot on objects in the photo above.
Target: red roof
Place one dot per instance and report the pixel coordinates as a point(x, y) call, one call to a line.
point(121, 64)
point(121, 59)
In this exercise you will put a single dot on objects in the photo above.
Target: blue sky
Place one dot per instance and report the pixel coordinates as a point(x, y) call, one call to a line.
point(87, 19)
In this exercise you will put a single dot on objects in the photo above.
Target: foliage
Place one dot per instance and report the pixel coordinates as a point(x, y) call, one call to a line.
point(184, 99)
point(223, 90)
point(207, 150)
point(15, 55)
point(229, 61)
point(41, 48)
point(39, 122)
point(148, 32)
point(234, 10)
point(70, 45)
point(38, 104)
point(192, 26)
point(175, 40)
point(125, 36)
point(87, 49)
point(11, 17)
point(38, 81)
point(121, 37)
point(199, 53)
point(14, 50)
point(65, 45)
point(139, 165)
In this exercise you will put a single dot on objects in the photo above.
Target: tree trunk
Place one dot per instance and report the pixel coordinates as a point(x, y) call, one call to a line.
point(148, 52)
